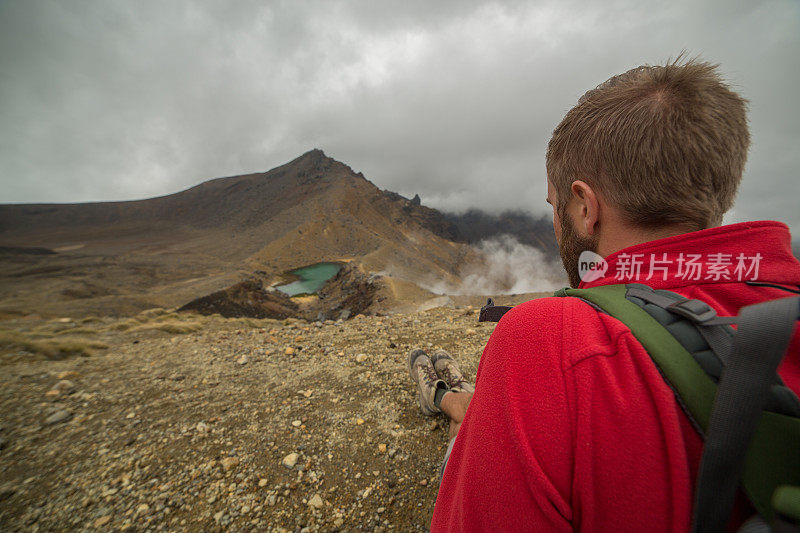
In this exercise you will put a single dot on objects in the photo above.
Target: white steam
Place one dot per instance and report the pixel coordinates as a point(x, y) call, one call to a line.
point(506, 267)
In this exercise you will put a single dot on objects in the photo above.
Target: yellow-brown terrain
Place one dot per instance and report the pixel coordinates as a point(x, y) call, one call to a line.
point(120, 412)
point(119, 258)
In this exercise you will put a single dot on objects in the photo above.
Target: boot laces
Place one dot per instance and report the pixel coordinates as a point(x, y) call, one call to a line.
point(453, 379)
point(428, 374)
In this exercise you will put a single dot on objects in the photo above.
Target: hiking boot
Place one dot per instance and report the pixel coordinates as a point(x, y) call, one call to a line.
point(447, 370)
point(424, 376)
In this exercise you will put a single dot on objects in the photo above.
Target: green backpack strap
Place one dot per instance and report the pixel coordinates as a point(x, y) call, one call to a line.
point(773, 456)
point(786, 502)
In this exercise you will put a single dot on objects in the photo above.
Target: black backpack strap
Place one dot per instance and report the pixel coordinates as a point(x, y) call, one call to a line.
point(713, 328)
point(764, 333)
point(773, 285)
point(697, 311)
point(707, 337)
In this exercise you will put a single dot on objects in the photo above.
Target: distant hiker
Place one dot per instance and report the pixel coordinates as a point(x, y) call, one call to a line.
point(572, 426)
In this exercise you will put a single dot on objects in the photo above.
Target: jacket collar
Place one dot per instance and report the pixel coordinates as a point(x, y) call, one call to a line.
point(757, 251)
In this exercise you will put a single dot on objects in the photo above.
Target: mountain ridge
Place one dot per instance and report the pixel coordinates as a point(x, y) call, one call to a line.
point(168, 250)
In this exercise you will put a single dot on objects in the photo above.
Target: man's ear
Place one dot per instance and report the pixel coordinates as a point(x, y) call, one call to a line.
point(587, 207)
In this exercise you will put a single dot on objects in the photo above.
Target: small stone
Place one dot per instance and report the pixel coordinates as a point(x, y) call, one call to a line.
point(263, 482)
point(297, 423)
point(359, 421)
point(382, 448)
point(103, 520)
point(143, 508)
point(290, 460)
point(52, 394)
point(308, 393)
point(7, 491)
point(360, 358)
point(130, 415)
point(68, 374)
point(218, 516)
point(289, 350)
point(424, 482)
point(380, 510)
point(229, 462)
point(271, 499)
point(211, 499)
point(202, 428)
point(242, 360)
point(65, 386)
point(316, 502)
point(470, 331)
point(245, 509)
point(58, 417)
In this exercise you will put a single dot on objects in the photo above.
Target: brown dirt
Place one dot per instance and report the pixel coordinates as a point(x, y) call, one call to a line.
point(187, 432)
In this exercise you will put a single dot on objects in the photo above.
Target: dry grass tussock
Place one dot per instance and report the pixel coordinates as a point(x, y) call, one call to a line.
point(256, 323)
point(50, 348)
point(181, 323)
point(158, 319)
point(78, 331)
point(56, 340)
point(161, 320)
point(171, 326)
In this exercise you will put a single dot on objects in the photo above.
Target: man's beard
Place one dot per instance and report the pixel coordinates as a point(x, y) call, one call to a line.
point(571, 246)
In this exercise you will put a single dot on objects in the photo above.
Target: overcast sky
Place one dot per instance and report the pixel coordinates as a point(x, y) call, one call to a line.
point(453, 100)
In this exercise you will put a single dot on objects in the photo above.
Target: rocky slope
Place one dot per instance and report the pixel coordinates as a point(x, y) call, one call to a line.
point(122, 257)
point(187, 423)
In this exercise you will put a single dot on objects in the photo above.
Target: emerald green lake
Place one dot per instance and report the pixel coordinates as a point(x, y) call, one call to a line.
point(312, 278)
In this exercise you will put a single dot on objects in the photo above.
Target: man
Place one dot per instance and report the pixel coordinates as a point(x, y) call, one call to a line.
point(571, 426)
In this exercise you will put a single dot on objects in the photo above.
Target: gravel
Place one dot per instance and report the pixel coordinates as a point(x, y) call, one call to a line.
point(195, 431)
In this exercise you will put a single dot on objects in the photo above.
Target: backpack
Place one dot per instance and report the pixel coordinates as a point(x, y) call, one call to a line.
point(725, 380)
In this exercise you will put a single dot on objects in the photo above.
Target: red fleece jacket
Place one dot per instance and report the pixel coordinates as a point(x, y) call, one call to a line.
point(571, 426)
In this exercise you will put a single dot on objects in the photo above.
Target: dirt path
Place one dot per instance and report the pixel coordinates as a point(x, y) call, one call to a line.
point(238, 425)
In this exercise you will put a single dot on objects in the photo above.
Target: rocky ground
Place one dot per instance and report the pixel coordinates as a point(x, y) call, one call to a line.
point(203, 423)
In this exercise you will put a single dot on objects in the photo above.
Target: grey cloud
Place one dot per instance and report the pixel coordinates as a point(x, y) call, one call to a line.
point(452, 100)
